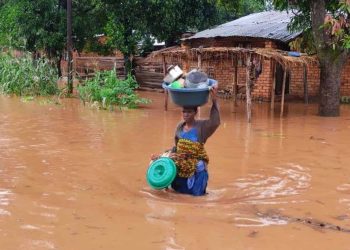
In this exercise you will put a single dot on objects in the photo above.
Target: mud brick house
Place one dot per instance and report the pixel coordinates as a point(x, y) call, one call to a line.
point(86, 64)
point(260, 41)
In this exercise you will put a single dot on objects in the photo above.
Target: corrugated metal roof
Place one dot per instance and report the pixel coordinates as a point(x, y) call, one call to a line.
point(267, 24)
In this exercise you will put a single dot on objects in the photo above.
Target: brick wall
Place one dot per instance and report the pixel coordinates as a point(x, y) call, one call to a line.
point(313, 80)
point(263, 84)
point(345, 80)
point(296, 84)
point(222, 69)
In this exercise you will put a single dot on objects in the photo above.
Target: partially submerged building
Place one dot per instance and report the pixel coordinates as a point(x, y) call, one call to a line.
point(260, 43)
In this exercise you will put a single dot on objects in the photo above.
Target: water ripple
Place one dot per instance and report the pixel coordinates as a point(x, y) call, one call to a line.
point(5, 197)
point(286, 181)
point(259, 221)
point(345, 189)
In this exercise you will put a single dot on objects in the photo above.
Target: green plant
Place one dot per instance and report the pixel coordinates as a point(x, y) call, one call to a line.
point(345, 99)
point(109, 91)
point(329, 22)
point(24, 77)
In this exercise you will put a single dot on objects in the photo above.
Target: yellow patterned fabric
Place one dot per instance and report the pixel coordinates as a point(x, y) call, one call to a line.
point(188, 153)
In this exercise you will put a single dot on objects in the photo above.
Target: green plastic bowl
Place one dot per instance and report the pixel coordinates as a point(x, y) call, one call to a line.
point(176, 85)
point(161, 173)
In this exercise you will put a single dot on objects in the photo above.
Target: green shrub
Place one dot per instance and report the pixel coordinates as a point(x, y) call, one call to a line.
point(345, 99)
point(109, 91)
point(24, 77)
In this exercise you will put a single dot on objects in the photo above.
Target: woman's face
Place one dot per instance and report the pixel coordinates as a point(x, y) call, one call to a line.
point(188, 114)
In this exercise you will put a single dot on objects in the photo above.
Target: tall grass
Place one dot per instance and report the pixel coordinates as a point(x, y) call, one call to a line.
point(24, 77)
point(109, 91)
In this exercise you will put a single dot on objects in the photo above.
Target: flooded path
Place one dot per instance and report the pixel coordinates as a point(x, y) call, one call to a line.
point(73, 178)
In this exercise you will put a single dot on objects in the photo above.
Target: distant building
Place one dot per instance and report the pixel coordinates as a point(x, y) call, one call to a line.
point(221, 52)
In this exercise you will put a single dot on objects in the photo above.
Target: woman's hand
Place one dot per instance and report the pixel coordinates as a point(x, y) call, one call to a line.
point(172, 155)
point(155, 156)
point(165, 154)
point(213, 92)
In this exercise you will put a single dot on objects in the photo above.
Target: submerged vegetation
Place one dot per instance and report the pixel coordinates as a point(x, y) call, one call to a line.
point(22, 76)
point(109, 91)
point(25, 77)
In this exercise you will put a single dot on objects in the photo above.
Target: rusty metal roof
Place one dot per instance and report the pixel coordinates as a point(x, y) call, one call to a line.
point(268, 25)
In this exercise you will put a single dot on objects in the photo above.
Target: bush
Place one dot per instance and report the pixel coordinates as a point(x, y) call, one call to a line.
point(109, 91)
point(24, 77)
point(345, 99)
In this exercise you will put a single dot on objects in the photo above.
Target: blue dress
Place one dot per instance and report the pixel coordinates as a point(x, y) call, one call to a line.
point(197, 183)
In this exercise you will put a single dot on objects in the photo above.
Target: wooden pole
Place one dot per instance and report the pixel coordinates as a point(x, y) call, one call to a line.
point(186, 58)
point(199, 60)
point(69, 47)
point(248, 94)
point(164, 65)
point(306, 94)
point(273, 89)
point(166, 94)
point(283, 90)
point(235, 83)
point(166, 99)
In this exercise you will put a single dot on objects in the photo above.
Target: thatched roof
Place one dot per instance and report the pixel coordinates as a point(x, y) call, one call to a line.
point(280, 56)
point(270, 25)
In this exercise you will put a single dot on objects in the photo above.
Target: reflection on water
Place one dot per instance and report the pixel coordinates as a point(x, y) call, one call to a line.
point(4, 201)
point(72, 177)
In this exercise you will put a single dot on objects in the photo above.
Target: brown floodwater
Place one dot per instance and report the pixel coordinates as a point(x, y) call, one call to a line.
point(73, 177)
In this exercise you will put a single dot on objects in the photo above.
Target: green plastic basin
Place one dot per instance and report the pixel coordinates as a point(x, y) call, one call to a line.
point(161, 173)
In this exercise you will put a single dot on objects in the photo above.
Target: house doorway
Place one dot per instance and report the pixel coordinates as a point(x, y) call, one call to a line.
point(279, 80)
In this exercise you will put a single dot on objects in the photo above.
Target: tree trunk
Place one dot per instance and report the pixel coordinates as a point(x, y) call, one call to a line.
point(330, 77)
point(58, 65)
point(171, 41)
point(129, 51)
point(127, 65)
point(332, 61)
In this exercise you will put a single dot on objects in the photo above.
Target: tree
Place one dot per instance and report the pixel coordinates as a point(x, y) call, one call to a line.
point(35, 26)
point(133, 21)
point(41, 25)
point(125, 25)
point(242, 7)
point(169, 19)
point(8, 28)
point(89, 19)
point(329, 22)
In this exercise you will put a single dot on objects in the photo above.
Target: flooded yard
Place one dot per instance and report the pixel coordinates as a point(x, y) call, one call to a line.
point(72, 177)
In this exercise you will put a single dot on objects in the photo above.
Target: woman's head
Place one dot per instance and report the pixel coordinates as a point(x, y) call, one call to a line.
point(189, 113)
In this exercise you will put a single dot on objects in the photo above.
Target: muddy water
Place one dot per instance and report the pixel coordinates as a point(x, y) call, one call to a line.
point(74, 178)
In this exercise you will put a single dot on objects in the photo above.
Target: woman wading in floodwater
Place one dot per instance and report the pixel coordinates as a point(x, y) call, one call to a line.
point(189, 154)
